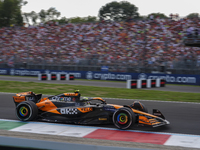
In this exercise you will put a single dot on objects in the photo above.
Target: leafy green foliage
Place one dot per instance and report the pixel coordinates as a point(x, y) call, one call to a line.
point(83, 19)
point(10, 12)
point(160, 15)
point(193, 16)
point(118, 11)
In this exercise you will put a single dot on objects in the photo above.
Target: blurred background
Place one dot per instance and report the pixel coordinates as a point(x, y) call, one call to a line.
point(118, 39)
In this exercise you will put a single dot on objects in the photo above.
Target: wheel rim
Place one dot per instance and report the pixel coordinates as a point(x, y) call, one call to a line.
point(122, 118)
point(23, 111)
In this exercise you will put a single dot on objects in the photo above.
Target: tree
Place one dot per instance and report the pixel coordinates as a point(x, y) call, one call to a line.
point(34, 16)
point(63, 20)
point(43, 16)
point(155, 15)
point(10, 12)
point(91, 19)
point(193, 15)
point(19, 19)
point(83, 19)
point(52, 13)
point(118, 11)
point(26, 17)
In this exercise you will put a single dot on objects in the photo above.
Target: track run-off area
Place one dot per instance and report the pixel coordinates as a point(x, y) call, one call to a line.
point(182, 133)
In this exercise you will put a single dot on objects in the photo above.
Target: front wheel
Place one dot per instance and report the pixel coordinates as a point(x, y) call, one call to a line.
point(123, 118)
point(26, 111)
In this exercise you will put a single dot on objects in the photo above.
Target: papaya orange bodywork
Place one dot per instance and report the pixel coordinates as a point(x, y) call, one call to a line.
point(143, 113)
point(24, 93)
point(71, 94)
point(43, 99)
point(48, 106)
point(85, 109)
point(144, 120)
point(116, 106)
point(19, 99)
point(99, 98)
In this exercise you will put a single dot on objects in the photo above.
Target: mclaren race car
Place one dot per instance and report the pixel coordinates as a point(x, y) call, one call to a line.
point(71, 108)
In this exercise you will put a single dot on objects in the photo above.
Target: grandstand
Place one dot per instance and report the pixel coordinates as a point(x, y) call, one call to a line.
point(160, 45)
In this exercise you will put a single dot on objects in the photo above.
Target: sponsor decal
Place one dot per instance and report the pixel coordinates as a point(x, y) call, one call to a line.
point(12, 72)
point(19, 99)
point(107, 76)
point(71, 94)
point(157, 114)
point(24, 72)
point(2, 71)
point(89, 75)
point(104, 68)
point(62, 99)
point(47, 71)
point(142, 76)
point(66, 99)
point(69, 111)
point(85, 109)
point(169, 78)
point(109, 108)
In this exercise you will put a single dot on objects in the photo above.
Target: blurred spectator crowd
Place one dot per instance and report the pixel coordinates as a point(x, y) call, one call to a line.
point(150, 43)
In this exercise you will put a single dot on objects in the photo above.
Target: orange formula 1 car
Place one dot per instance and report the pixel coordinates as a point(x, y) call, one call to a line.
point(70, 108)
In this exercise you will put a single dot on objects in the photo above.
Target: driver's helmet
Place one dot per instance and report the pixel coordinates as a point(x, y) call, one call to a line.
point(76, 91)
point(137, 105)
point(85, 99)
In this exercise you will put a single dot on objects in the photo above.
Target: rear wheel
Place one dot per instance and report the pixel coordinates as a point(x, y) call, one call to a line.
point(123, 118)
point(26, 111)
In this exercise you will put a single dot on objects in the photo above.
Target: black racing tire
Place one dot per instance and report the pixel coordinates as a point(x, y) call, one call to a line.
point(123, 118)
point(26, 111)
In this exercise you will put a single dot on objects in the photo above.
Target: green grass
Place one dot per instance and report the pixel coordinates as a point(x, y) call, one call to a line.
point(91, 91)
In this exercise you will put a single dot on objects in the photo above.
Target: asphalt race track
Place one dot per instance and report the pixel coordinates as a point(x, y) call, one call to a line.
point(183, 117)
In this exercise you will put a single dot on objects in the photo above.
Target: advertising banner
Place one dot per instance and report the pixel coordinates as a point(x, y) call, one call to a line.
point(113, 76)
point(173, 78)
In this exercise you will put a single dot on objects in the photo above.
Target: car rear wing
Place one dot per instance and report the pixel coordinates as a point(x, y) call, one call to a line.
point(26, 96)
